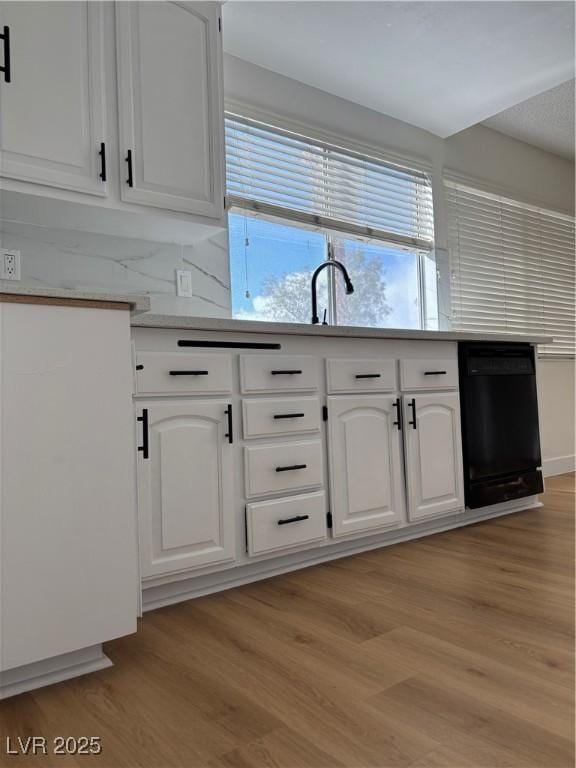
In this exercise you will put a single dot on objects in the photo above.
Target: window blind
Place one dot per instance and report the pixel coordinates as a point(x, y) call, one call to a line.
point(285, 174)
point(512, 267)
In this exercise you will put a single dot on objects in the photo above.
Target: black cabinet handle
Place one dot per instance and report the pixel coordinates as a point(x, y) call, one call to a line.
point(398, 422)
point(289, 415)
point(287, 373)
point(297, 519)
point(128, 158)
point(188, 373)
point(7, 67)
point(229, 434)
point(290, 468)
point(227, 344)
point(435, 373)
point(144, 448)
point(368, 375)
point(102, 154)
point(412, 405)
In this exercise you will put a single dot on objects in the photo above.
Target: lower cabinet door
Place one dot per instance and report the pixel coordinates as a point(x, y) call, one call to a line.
point(433, 440)
point(185, 486)
point(364, 446)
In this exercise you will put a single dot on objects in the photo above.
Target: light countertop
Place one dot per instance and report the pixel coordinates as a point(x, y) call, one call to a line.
point(137, 302)
point(228, 325)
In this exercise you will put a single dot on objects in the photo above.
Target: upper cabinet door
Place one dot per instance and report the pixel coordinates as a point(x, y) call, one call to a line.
point(170, 104)
point(185, 497)
point(364, 445)
point(52, 110)
point(433, 442)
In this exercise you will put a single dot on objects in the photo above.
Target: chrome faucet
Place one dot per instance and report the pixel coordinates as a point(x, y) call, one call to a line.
point(347, 282)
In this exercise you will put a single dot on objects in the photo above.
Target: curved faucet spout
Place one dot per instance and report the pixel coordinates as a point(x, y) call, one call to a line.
point(347, 283)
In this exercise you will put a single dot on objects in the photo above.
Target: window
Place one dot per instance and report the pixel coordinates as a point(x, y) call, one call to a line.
point(512, 267)
point(296, 202)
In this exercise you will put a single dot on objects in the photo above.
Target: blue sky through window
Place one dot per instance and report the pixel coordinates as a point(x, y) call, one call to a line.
point(271, 265)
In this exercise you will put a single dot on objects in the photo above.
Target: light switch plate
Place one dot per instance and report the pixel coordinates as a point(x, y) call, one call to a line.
point(184, 283)
point(9, 265)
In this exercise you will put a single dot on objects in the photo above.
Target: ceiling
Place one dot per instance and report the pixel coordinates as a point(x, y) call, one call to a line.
point(546, 120)
point(442, 66)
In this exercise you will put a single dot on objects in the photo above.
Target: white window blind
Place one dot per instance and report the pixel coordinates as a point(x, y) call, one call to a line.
point(512, 267)
point(285, 174)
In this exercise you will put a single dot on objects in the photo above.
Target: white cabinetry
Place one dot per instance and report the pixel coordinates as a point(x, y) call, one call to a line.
point(58, 121)
point(326, 450)
point(68, 551)
point(365, 455)
point(433, 443)
point(52, 110)
point(169, 78)
point(185, 486)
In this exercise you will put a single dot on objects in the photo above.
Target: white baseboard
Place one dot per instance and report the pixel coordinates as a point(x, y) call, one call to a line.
point(179, 590)
point(54, 670)
point(558, 466)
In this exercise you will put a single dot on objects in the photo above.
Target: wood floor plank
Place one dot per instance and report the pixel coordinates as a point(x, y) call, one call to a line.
point(457, 717)
point(281, 749)
point(454, 651)
point(509, 688)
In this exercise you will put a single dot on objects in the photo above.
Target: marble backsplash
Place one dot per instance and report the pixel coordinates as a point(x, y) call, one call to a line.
point(68, 258)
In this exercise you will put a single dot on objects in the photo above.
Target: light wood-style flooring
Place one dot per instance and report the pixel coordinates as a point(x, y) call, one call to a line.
point(448, 652)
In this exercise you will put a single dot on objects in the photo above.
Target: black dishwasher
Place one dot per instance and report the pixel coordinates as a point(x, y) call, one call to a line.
point(500, 434)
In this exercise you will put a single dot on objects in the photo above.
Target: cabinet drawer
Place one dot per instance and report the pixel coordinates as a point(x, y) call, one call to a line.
point(283, 467)
point(285, 523)
point(183, 373)
point(366, 375)
point(429, 374)
point(279, 373)
point(280, 416)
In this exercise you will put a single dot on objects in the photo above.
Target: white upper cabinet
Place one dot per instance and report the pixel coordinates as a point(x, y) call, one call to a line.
point(433, 442)
point(185, 486)
point(52, 110)
point(170, 105)
point(364, 446)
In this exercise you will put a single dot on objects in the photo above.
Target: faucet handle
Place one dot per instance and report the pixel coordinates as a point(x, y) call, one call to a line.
point(324, 321)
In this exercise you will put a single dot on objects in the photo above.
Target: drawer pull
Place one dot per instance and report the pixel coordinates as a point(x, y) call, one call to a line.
point(297, 519)
point(368, 375)
point(289, 415)
point(291, 467)
point(188, 373)
point(435, 373)
point(294, 372)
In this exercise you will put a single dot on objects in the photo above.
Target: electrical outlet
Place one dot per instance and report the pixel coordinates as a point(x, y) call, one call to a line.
point(9, 264)
point(184, 283)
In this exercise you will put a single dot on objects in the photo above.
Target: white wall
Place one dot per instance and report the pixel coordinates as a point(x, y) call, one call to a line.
point(500, 163)
point(557, 415)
